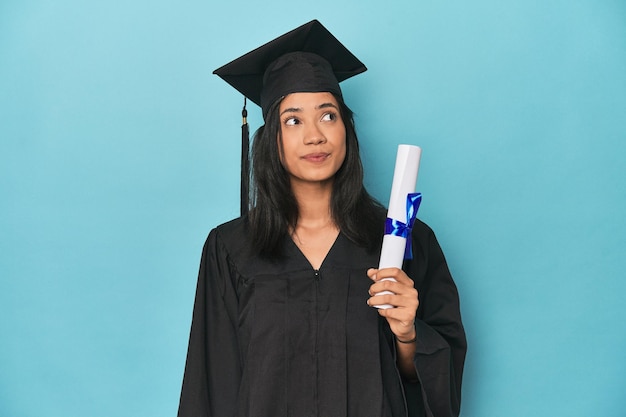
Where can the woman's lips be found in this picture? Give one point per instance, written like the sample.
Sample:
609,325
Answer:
316,157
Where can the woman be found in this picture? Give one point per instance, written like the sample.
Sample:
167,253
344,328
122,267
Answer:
282,322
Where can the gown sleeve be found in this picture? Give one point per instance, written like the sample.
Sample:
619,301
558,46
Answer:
213,369
441,343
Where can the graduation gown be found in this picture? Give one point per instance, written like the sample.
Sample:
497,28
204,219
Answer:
277,338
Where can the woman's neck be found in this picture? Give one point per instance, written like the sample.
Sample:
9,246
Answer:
315,231
313,204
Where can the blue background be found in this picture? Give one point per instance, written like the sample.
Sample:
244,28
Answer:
119,152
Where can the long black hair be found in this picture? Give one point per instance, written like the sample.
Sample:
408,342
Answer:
274,207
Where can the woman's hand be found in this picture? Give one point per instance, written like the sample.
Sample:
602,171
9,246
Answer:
404,298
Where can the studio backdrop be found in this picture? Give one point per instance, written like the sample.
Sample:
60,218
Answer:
119,151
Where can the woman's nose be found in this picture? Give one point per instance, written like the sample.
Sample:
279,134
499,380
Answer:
313,135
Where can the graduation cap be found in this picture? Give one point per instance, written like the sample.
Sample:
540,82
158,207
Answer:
307,59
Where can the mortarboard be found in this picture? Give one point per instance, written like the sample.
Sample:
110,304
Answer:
306,59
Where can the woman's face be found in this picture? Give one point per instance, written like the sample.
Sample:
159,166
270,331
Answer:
313,137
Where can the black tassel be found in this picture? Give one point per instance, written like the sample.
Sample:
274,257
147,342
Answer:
245,163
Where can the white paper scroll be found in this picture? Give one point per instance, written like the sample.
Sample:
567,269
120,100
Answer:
404,180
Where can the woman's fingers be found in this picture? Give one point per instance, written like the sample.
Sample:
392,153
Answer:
392,280
407,300
395,273
398,291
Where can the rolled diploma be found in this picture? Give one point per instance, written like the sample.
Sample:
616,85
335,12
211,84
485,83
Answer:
404,180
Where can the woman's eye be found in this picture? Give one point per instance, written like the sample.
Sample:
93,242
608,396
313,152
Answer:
291,121
329,117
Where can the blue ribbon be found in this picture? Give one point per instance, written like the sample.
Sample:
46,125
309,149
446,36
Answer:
397,228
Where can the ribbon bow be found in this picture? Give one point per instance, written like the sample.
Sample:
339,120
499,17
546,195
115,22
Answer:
397,228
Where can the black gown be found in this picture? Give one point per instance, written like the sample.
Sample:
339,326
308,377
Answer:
276,338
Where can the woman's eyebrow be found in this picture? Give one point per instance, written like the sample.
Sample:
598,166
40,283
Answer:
326,105
318,107
291,110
